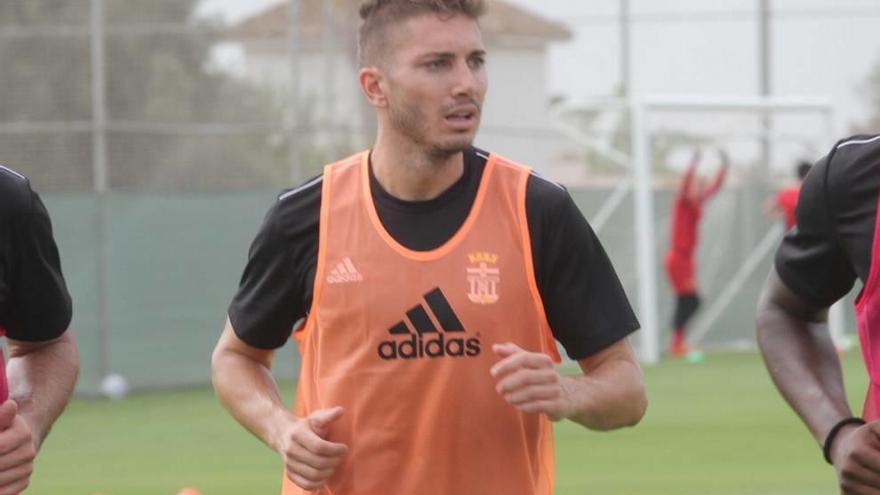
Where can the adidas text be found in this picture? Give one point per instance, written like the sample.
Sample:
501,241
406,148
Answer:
416,346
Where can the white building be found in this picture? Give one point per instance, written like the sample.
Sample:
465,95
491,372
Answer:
515,119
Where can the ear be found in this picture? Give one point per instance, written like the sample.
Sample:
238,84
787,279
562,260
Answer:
373,85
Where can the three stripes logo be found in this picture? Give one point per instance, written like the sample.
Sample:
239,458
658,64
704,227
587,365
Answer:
345,272
428,341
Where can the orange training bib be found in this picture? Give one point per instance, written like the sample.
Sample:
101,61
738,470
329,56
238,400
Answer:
402,340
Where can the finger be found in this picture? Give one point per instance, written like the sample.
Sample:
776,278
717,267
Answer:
853,487
532,360
8,410
320,420
310,473
870,460
506,349
25,453
533,394
526,377
317,445
13,438
15,488
299,454
301,482
12,476
539,407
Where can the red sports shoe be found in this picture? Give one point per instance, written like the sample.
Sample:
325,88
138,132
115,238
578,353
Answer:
677,345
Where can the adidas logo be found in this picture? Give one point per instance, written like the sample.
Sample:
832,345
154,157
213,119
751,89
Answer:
344,273
428,341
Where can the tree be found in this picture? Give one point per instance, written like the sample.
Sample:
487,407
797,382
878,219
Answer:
158,80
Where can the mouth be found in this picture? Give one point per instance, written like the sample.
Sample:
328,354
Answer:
463,117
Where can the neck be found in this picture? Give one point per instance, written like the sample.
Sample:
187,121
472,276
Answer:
411,173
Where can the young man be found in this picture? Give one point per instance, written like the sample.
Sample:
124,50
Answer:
687,208
834,242
433,278
783,204
34,316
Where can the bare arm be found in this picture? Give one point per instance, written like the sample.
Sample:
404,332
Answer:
609,394
41,377
719,177
245,386
801,358
684,189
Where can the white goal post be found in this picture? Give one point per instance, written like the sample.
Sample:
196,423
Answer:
641,110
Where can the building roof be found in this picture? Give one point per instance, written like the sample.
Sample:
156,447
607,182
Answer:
503,22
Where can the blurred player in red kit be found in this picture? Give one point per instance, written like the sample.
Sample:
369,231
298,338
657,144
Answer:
687,209
784,202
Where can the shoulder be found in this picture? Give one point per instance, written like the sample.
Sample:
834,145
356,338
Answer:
853,162
296,196
546,197
546,200
848,177
858,147
15,193
298,209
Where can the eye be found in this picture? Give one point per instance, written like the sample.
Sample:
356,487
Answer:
476,62
437,64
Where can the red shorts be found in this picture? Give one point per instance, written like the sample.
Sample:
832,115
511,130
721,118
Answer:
680,270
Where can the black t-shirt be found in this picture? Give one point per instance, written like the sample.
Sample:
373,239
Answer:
34,303
821,257
583,298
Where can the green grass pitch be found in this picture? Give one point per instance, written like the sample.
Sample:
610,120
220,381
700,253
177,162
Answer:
717,428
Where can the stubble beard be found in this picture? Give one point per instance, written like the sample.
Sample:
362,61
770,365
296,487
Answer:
410,121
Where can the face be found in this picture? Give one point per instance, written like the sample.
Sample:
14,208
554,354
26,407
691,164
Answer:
434,83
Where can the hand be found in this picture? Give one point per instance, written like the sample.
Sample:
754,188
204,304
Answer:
309,459
17,450
856,457
529,382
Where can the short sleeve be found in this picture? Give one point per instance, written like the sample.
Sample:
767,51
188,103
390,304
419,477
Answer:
812,260
585,303
40,306
275,287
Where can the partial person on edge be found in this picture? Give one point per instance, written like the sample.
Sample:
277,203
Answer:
38,379
833,243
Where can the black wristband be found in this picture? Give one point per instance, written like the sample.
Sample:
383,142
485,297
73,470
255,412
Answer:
829,439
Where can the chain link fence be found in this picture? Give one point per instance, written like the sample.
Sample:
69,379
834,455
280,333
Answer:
157,162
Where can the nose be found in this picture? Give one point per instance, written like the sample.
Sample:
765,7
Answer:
468,81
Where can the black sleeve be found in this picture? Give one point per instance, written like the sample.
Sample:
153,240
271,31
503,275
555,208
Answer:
584,300
40,306
835,215
276,287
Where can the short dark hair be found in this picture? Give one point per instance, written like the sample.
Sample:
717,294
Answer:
377,15
803,168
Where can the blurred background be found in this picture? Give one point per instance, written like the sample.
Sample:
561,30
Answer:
160,132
